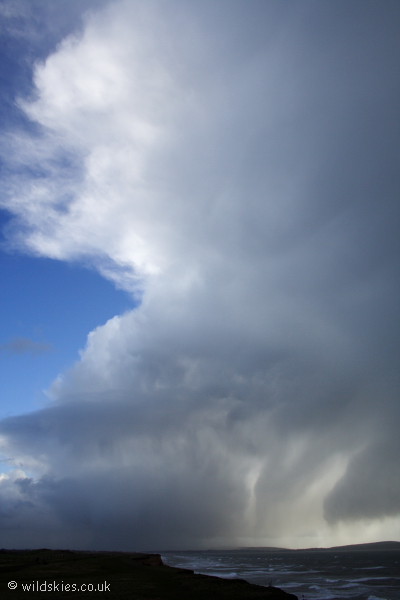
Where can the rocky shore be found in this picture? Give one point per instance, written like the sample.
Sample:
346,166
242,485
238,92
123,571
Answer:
115,576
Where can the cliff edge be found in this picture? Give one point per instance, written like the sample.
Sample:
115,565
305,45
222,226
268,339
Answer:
116,575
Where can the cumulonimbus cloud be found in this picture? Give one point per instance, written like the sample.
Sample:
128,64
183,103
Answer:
230,175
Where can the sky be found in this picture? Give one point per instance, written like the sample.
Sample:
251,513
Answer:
199,341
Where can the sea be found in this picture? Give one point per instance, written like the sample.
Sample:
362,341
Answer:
309,574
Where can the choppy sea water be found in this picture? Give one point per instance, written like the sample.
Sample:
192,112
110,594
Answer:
312,575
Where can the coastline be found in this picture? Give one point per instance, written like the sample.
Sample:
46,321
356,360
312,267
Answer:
116,575
357,572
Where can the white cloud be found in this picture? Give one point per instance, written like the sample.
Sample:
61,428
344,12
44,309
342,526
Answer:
204,163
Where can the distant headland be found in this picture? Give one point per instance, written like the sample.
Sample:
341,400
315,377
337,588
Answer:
368,547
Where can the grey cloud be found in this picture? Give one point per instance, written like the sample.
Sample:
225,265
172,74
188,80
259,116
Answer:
369,487
256,384
23,345
166,476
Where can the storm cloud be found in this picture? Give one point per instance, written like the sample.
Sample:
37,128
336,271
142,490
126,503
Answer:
233,165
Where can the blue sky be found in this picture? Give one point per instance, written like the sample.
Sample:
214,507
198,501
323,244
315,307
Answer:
53,305
200,262
50,303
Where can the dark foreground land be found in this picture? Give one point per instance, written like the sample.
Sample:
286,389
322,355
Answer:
34,574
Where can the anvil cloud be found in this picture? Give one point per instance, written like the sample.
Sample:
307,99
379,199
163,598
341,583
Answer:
234,166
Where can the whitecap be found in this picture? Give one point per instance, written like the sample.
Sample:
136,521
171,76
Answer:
222,575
